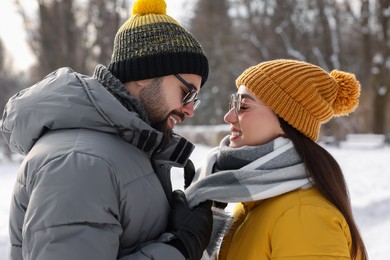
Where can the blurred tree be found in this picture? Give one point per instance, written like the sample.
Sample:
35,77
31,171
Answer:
104,19
303,30
371,23
212,26
10,83
380,70
334,34
76,34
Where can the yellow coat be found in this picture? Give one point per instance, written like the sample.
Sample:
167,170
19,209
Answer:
300,224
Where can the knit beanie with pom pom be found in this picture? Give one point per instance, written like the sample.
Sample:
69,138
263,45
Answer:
301,93
151,44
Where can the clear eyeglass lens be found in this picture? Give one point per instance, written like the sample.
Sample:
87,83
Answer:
235,102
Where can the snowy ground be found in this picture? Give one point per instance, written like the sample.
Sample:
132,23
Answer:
367,172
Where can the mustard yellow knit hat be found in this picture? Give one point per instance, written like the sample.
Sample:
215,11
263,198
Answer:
152,44
301,93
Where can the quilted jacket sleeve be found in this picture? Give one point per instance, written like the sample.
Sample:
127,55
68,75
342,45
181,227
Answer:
73,213
73,210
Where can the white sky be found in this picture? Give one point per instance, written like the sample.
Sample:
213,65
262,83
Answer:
14,37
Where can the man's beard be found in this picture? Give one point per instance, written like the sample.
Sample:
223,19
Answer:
155,106
163,125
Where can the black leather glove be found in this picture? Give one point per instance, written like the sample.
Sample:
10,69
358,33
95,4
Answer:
192,227
189,173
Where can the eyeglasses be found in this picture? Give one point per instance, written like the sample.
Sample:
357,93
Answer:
192,95
236,103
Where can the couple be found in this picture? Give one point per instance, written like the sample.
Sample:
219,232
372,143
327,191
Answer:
95,182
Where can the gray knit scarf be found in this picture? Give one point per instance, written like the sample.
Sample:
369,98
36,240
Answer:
248,173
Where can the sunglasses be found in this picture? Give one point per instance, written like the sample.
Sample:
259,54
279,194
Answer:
236,103
191,96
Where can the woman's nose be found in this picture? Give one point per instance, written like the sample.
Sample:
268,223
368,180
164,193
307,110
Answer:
230,117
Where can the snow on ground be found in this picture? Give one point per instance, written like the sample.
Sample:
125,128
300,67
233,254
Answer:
367,173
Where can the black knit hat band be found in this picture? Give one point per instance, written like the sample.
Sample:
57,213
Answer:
159,65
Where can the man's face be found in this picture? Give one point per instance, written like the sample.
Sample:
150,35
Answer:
163,100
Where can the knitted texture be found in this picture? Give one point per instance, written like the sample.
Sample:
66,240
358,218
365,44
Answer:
152,44
302,94
277,169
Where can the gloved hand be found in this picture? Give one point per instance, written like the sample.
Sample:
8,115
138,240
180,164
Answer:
192,227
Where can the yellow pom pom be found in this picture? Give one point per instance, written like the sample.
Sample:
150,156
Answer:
348,94
149,7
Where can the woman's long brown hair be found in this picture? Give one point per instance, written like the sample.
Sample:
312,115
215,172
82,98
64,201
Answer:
327,177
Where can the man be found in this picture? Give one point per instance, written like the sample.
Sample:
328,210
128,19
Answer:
95,182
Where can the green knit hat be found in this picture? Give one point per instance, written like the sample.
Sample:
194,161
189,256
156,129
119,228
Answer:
151,44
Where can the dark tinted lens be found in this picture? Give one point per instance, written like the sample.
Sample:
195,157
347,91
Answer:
196,103
191,96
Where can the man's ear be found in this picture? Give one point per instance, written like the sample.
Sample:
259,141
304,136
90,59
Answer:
134,87
142,83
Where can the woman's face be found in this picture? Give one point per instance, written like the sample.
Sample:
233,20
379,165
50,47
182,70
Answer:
254,124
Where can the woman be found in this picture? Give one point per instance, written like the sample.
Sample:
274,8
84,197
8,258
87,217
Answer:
293,199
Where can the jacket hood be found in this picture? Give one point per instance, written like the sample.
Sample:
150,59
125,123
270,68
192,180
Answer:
65,99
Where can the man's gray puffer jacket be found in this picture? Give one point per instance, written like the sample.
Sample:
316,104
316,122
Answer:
95,182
